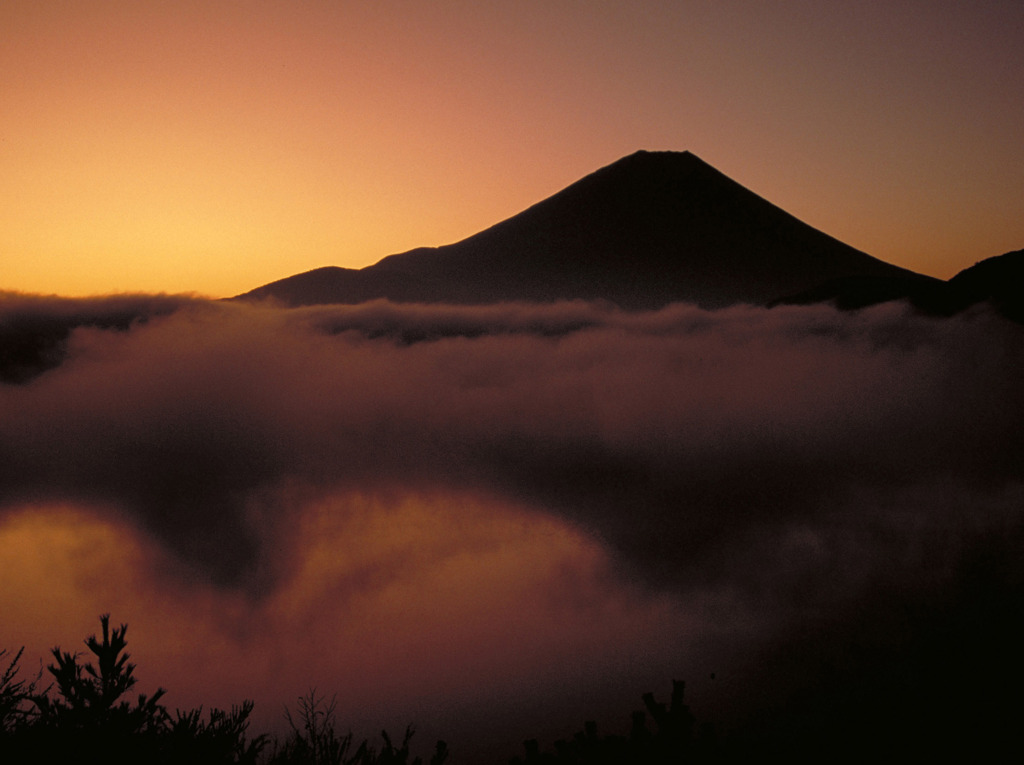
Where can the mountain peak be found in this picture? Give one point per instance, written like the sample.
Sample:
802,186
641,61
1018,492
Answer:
649,229
657,153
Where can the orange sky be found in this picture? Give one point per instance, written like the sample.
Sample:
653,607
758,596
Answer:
213,147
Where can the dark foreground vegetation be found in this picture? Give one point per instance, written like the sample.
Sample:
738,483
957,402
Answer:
85,715
82,713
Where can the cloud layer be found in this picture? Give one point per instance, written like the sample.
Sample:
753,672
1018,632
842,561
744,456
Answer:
686,478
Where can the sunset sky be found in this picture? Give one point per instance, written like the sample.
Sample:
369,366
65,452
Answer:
497,521
213,147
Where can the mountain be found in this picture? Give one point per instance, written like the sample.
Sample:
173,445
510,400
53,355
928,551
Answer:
650,229
998,281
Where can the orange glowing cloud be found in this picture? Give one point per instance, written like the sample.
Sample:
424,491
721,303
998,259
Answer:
485,520
419,608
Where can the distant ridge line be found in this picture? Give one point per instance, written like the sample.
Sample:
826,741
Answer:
650,229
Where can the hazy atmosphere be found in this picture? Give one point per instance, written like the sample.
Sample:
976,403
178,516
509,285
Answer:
652,428
469,516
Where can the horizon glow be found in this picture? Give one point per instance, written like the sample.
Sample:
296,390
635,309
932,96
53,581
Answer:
150,147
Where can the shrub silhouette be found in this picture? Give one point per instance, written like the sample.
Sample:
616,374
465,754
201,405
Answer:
390,755
90,699
313,740
15,697
674,740
83,716
220,739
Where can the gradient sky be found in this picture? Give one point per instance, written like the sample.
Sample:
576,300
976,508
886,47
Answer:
213,147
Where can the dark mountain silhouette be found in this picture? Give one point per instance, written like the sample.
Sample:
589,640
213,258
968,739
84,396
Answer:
853,292
651,229
998,281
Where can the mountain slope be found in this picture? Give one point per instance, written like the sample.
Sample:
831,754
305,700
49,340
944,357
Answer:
650,229
998,281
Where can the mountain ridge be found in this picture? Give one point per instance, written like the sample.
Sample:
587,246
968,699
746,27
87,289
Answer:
997,281
649,229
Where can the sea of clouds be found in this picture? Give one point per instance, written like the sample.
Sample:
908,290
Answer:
483,519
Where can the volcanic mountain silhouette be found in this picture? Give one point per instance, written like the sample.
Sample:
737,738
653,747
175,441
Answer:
650,229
